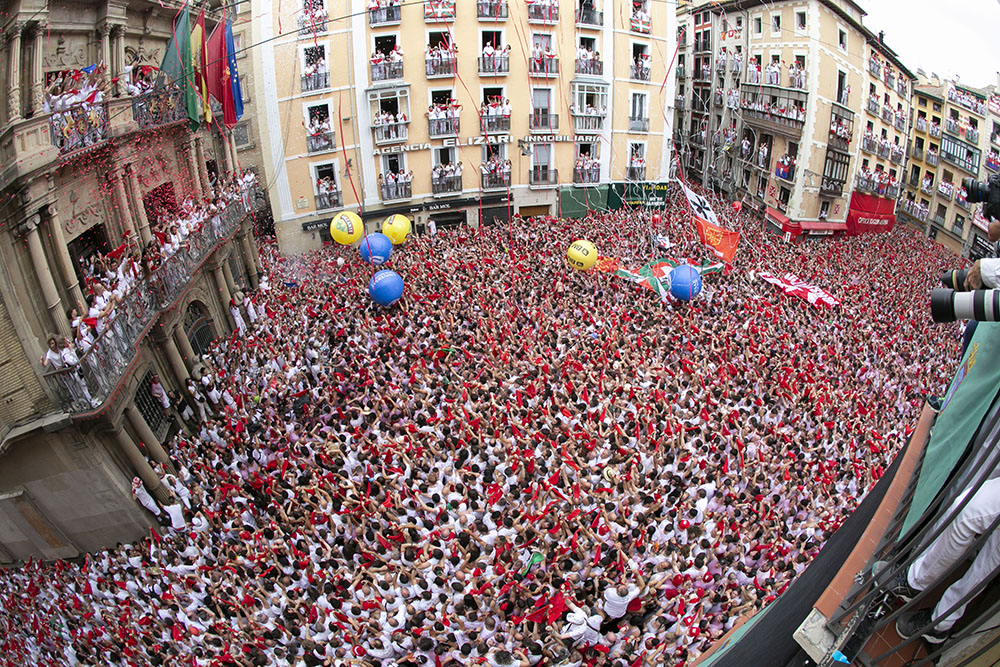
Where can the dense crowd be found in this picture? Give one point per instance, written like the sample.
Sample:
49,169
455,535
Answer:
519,464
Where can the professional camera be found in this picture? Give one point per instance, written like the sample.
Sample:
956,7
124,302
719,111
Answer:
982,305
955,279
988,193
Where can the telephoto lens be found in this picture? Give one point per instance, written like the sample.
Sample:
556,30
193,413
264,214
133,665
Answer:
955,279
977,190
982,305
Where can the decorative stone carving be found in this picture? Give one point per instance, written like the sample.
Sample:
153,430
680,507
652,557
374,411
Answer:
83,214
139,55
66,55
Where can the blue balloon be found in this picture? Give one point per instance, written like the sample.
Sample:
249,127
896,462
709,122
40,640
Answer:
375,249
385,287
685,282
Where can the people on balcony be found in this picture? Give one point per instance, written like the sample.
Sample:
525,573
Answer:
495,172
926,183
394,184
494,110
588,110
588,60
640,18
797,76
932,154
753,72
786,167
733,98
442,118
440,59
139,80
636,162
319,133
326,186
762,156
736,62
641,64
389,125
772,74
839,129
378,10
447,176
745,148
547,10
935,127
588,169
794,112
966,99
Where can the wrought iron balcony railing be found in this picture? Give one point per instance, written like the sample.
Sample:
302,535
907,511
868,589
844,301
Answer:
80,126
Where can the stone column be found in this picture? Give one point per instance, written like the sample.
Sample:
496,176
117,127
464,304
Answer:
228,274
142,468
184,345
140,210
44,273
104,34
192,155
14,72
122,204
37,77
250,260
70,278
176,362
224,295
153,446
227,141
206,186
117,64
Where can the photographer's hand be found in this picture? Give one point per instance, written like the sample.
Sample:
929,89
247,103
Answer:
974,279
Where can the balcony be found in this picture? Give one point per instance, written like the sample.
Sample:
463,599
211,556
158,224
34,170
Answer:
639,72
396,191
317,81
932,157
587,176
491,10
926,187
442,127
439,11
921,124
494,65
869,144
866,185
681,72
785,173
80,126
589,17
312,23
543,66
495,124
992,161
638,124
900,123
387,71
897,154
887,115
590,67
319,142
384,16
391,133
548,14
89,384
952,126
935,130
328,200
890,79
967,100
995,139
902,87
438,68
917,153
639,23
831,187
635,174
540,120
972,135
872,107
962,201
444,186
892,192
588,123
875,68
155,109
946,190
938,220
679,102
543,176
840,143
883,151
494,181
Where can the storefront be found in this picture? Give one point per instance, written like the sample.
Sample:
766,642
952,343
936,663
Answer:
794,232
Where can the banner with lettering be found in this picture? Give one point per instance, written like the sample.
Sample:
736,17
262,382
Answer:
870,214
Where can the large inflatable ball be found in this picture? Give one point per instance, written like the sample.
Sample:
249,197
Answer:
375,249
396,227
656,218
385,287
582,255
685,282
346,228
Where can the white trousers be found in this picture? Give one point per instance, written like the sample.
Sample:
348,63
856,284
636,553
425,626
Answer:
974,519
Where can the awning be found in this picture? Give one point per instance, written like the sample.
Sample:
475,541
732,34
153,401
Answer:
823,226
777,216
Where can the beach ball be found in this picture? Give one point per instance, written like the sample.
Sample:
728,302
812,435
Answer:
346,227
375,249
685,282
385,287
737,206
656,218
396,227
582,254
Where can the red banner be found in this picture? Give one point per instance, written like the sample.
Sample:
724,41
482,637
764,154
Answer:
870,214
722,241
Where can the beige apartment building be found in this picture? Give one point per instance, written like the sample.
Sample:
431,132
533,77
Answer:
955,135
785,105
373,110
74,182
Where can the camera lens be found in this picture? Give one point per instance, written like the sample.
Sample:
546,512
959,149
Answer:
954,279
977,190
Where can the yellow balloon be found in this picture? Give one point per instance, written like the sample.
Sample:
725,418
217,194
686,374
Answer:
582,255
397,228
346,227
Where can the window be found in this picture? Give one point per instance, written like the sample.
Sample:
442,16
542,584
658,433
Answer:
800,21
491,93
241,135
492,37
314,57
775,24
758,25
494,152
638,107
936,106
739,23
835,170
842,39
395,163
445,155
588,98
960,154
783,195
824,210
922,101
238,45
842,88
541,156
150,407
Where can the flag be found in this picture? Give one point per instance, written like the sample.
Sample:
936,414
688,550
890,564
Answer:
177,66
199,62
234,74
722,241
795,286
655,274
219,85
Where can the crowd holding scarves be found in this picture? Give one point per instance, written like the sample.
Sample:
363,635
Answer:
519,464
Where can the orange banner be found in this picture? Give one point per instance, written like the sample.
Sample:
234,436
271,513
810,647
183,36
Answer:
722,241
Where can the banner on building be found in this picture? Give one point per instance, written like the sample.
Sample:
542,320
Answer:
870,214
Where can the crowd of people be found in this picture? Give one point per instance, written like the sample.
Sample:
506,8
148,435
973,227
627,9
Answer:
517,464
967,100
495,172
395,184
441,59
878,181
387,66
75,99
777,110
